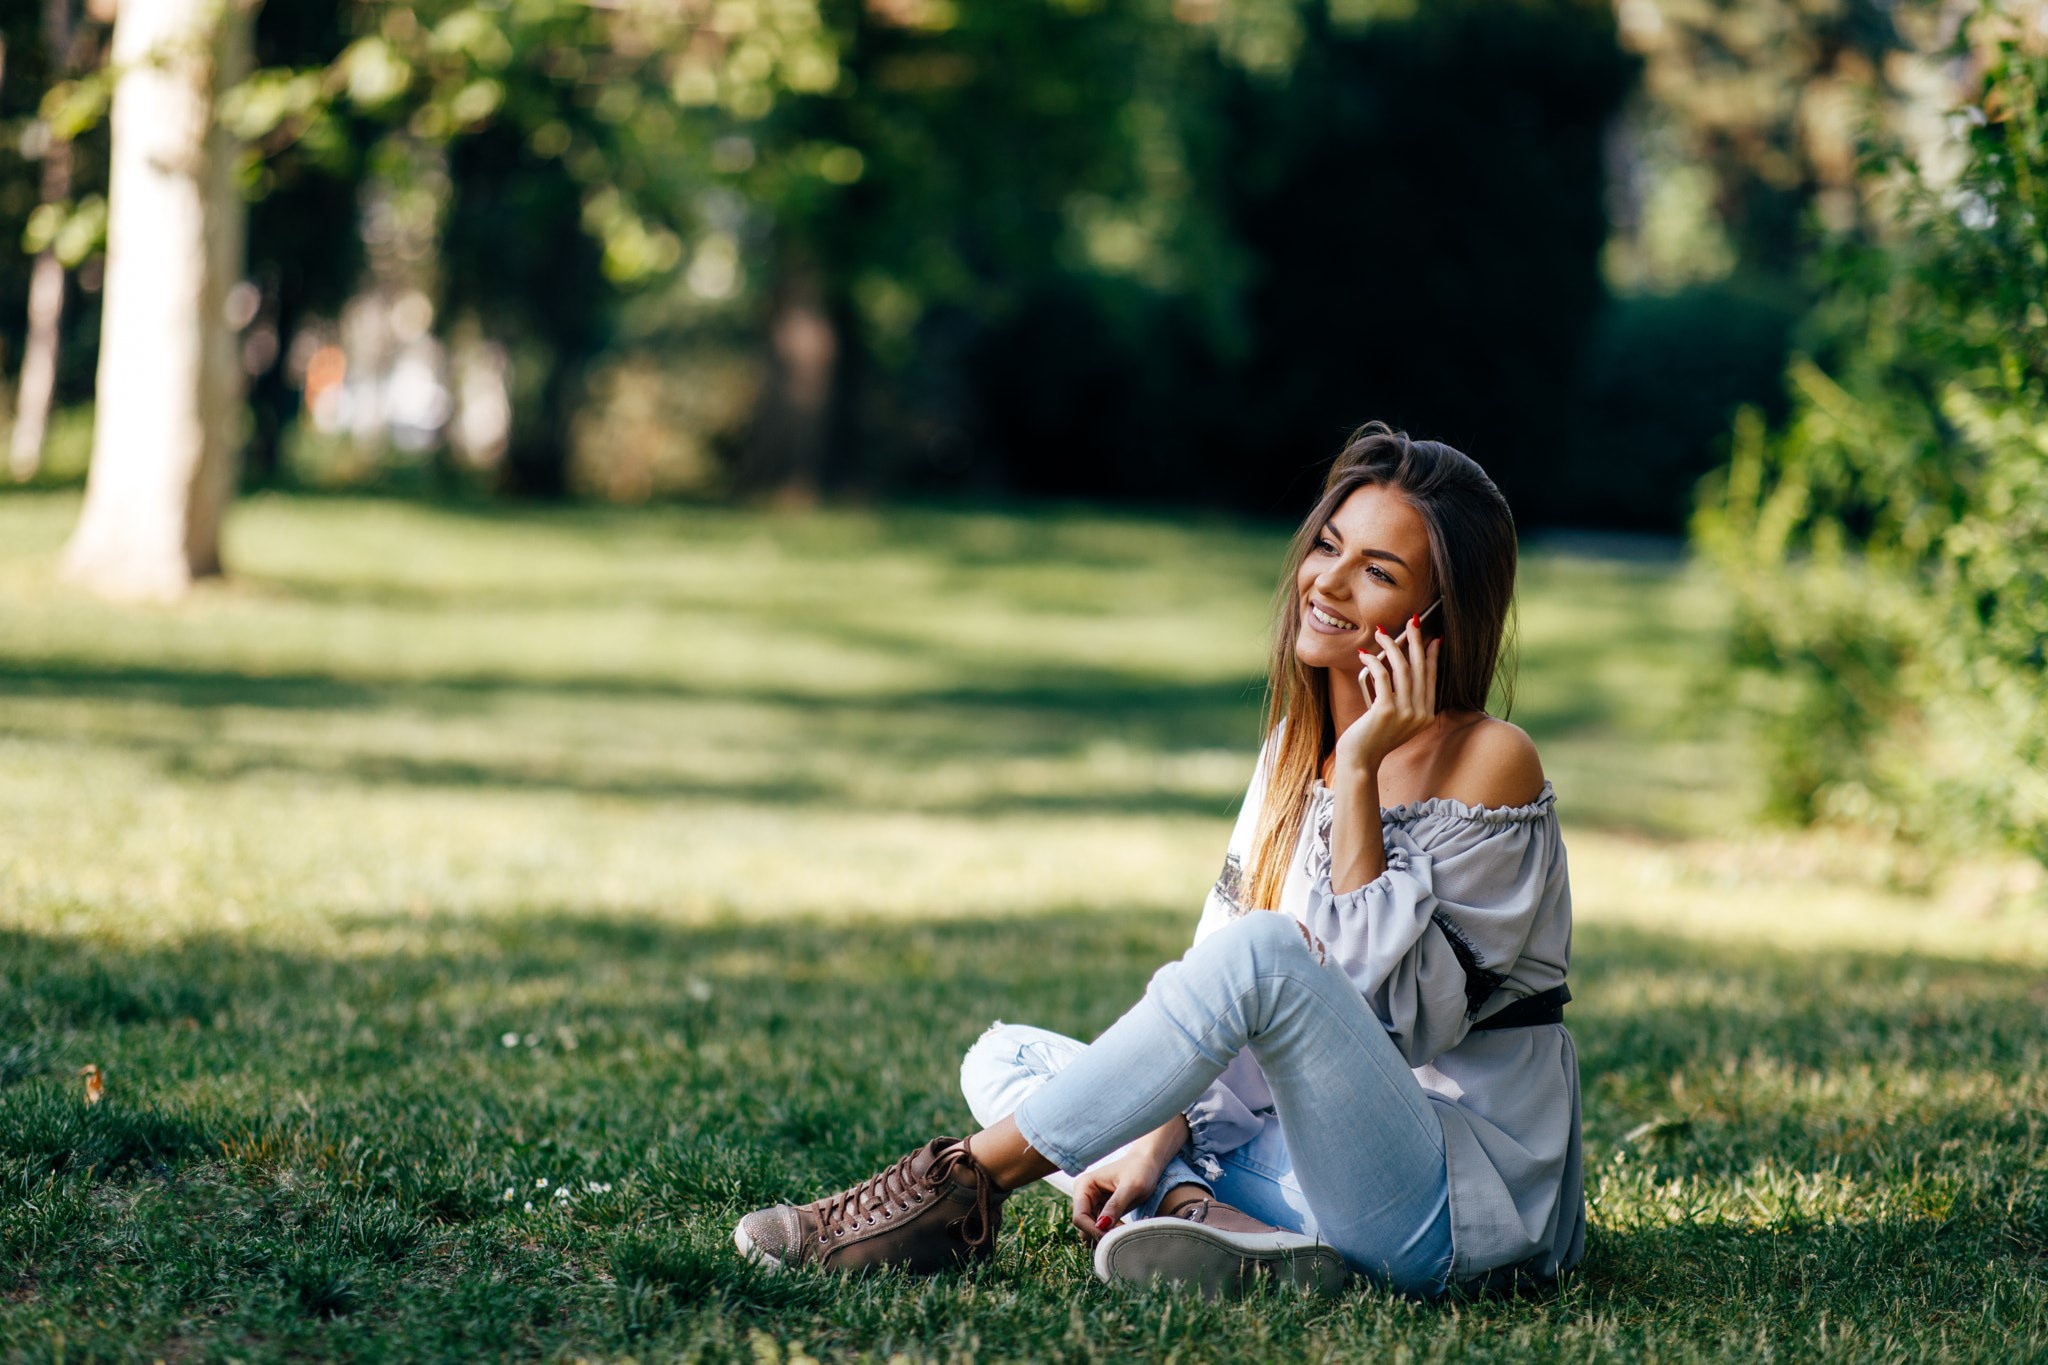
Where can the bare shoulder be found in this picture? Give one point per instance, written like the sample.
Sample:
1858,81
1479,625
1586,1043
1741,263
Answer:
1492,763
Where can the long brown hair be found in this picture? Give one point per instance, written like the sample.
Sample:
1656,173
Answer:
1471,554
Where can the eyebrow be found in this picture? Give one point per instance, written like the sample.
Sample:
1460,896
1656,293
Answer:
1330,529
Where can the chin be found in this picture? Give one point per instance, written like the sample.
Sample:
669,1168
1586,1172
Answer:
1307,652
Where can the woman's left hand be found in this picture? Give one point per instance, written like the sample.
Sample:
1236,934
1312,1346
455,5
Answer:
1108,1192
1400,689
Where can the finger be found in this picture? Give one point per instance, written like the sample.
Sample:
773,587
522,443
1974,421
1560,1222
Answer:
1429,672
1418,667
1396,661
1374,675
1115,1207
1087,1198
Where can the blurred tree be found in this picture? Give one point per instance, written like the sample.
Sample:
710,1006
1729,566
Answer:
1765,98
567,173
924,197
46,282
305,239
163,442
61,230
1412,200
1890,543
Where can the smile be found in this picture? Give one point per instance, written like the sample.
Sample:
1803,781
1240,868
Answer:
1324,618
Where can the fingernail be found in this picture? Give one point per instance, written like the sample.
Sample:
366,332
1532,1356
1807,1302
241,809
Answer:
1102,1223
1379,630
1415,620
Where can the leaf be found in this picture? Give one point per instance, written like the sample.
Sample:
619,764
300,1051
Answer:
95,1087
72,107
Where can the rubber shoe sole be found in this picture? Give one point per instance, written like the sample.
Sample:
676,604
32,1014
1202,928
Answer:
1223,1264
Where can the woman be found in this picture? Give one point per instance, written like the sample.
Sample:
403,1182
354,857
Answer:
1373,1079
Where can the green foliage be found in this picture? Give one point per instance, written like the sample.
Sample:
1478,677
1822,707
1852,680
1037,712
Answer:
1363,266
1890,542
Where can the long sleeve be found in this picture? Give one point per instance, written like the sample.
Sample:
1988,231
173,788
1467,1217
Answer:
1431,939
1383,936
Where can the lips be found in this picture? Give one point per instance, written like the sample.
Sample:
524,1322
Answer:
1328,620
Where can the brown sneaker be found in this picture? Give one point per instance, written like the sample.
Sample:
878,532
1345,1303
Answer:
1221,1250
934,1208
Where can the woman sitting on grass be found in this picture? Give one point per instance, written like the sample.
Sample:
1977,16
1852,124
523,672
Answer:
1375,1078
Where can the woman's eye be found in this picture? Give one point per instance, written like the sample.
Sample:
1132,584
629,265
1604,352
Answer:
1323,546
1381,574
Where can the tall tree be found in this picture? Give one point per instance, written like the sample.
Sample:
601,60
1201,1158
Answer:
46,282
170,380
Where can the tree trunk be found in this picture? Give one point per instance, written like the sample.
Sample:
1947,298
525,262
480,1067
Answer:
46,284
170,380
786,450
39,351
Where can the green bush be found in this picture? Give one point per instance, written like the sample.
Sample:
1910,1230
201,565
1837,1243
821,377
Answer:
1889,543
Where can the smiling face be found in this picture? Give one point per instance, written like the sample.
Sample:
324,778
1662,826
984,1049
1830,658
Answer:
1368,565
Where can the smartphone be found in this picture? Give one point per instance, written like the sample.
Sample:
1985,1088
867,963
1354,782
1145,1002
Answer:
1427,612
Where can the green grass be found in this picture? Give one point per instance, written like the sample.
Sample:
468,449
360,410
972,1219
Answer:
676,856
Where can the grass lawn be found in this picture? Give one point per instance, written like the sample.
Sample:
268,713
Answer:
472,914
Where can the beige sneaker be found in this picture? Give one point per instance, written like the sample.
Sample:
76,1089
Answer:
934,1208
1221,1250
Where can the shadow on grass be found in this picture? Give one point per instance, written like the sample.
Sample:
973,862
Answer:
420,1072
1036,715
817,1005
1100,698
1027,713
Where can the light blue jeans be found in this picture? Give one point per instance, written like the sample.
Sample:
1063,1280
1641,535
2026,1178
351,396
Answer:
1356,1157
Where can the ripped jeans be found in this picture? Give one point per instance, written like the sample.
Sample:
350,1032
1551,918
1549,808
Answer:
1354,1153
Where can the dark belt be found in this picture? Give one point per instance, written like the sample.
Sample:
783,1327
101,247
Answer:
1544,1007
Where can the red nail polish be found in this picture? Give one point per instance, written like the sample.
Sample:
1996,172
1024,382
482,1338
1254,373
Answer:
1379,630
1102,1223
1414,621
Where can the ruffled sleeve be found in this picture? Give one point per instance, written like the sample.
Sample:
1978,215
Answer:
1224,1118
1431,939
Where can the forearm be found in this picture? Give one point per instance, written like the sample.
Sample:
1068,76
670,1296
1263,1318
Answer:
1357,851
1164,1141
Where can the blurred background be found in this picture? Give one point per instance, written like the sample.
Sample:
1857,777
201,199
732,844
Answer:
1162,253
1767,273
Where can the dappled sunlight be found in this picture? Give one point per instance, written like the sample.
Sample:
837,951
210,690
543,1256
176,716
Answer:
684,854
1806,893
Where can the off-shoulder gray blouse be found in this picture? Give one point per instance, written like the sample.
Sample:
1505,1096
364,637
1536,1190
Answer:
1472,913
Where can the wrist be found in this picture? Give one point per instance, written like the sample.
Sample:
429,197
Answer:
1163,1141
1360,776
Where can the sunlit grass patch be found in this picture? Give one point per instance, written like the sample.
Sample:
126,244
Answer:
446,861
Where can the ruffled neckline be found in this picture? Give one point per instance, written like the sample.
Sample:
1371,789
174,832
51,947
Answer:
1451,807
